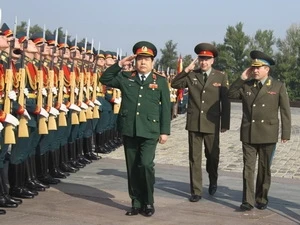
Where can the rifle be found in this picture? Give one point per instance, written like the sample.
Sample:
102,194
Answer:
9,135
116,94
43,129
51,120
82,116
94,94
74,116
62,121
23,128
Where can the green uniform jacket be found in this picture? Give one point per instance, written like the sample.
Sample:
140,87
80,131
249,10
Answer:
145,111
207,103
260,122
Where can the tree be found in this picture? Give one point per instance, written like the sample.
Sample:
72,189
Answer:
264,41
234,53
288,61
169,56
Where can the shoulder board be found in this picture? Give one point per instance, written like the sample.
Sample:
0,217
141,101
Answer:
156,73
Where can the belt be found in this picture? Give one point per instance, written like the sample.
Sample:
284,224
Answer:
1,101
31,95
100,94
66,96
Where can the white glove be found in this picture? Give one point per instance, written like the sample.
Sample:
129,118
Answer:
44,92
65,90
1,127
54,90
12,95
74,107
91,104
63,107
26,114
118,100
44,113
96,102
98,89
84,89
53,111
91,88
83,105
76,90
12,120
26,92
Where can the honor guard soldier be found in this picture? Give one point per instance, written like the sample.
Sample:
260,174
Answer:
69,56
6,118
208,114
141,128
262,96
102,128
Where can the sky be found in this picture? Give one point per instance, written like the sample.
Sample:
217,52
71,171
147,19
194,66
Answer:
120,24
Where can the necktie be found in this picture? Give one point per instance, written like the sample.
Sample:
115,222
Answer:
143,78
259,85
204,77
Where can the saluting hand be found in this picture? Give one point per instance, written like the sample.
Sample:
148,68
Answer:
247,74
127,60
191,66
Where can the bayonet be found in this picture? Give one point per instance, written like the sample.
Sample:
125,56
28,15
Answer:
15,27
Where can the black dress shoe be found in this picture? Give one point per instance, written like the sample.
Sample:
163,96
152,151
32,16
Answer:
133,211
246,206
2,212
212,189
261,206
148,210
195,198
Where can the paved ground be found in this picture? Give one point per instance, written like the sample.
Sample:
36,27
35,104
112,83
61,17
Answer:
97,194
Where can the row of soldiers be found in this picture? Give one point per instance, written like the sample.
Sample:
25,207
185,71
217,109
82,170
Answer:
53,110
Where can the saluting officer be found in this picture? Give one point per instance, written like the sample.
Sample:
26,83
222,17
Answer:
261,97
208,114
144,120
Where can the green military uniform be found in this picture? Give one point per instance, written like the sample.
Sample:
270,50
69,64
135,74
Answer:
260,128
208,110
144,115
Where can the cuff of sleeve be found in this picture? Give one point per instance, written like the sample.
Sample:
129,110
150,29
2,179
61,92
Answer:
37,110
21,110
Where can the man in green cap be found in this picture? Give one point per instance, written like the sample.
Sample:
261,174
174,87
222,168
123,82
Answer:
141,128
261,96
208,114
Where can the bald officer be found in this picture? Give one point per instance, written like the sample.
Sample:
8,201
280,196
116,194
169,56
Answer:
208,113
144,120
261,96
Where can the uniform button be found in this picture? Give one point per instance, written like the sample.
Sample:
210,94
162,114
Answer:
253,121
140,96
137,113
154,120
202,101
263,105
139,104
201,111
142,87
262,121
203,91
254,105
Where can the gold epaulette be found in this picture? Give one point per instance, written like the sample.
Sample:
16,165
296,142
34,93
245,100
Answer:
31,95
156,73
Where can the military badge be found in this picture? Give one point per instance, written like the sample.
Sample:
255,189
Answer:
268,83
272,92
153,86
216,84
